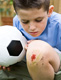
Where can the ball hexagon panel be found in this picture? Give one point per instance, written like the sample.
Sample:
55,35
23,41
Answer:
14,48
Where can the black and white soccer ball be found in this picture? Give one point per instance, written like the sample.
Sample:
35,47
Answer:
12,44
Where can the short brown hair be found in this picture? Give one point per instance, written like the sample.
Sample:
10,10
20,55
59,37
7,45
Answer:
26,4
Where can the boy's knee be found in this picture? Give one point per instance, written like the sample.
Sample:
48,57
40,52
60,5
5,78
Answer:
37,51
41,51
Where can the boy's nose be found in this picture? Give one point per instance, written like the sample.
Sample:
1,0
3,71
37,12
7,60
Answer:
32,27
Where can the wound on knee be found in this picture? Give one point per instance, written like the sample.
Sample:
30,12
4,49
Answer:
33,57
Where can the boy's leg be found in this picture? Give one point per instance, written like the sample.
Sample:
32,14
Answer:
42,61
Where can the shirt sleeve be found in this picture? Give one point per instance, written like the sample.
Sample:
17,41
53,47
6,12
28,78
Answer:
59,37
14,22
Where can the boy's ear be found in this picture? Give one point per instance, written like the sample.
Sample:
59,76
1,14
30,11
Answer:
50,10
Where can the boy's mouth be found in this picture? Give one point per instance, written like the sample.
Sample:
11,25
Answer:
33,33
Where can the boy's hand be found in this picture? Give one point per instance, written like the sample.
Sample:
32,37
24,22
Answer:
4,68
28,42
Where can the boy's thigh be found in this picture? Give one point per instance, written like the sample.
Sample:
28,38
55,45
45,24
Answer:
18,72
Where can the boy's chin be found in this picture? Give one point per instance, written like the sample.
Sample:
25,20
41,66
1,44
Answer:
35,35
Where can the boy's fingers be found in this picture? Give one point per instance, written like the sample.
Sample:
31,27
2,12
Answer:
4,68
26,46
29,41
0,67
8,68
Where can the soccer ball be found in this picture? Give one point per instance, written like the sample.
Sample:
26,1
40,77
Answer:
12,44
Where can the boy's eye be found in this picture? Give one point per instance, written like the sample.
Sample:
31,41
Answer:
25,22
38,20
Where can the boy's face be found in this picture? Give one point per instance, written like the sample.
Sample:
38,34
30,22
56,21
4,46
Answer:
33,21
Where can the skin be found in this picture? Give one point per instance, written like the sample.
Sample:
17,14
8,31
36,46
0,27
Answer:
42,60
34,20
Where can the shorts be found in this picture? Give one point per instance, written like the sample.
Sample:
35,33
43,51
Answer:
17,71
58,74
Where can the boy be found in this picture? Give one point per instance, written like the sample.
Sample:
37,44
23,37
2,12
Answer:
36,20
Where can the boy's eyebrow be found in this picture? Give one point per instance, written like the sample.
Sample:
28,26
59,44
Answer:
34,19
40,17
24,20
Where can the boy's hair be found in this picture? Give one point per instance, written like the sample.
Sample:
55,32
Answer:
27,4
